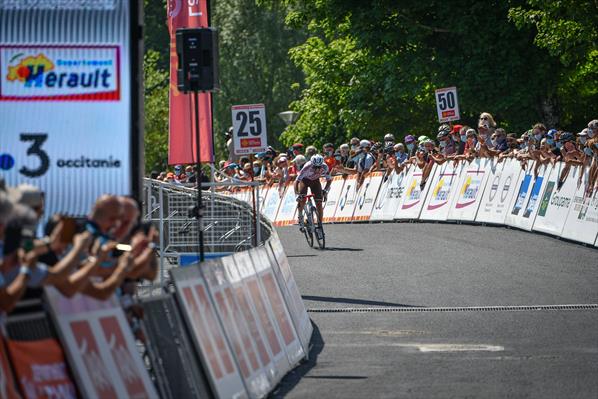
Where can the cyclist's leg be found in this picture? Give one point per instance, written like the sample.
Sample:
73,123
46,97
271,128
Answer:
316,190
301,201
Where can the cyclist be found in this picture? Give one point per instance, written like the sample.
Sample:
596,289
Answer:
309,177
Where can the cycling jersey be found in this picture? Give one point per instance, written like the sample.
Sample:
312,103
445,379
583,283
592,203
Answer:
309,172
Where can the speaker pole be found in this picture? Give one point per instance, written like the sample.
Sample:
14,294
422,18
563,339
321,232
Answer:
198,177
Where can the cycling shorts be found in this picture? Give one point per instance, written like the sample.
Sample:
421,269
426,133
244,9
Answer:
314,185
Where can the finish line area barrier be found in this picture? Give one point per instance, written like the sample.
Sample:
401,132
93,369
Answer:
231,327
546,198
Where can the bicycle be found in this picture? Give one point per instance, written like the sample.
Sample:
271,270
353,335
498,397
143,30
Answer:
312,224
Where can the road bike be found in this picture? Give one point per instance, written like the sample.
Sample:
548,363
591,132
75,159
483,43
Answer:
312,225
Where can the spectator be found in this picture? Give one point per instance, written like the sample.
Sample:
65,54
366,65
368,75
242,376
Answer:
499,142
344,154
410,144
400,154
329,158
354,144
447,144
389,140
458,136
297,149
230,145
310,151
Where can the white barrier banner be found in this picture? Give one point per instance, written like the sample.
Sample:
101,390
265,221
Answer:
525,218
291,292
259,311
367,197
207,333
257,333
276,306
288,207
470,190
336,188
582,221
236,329
415,196
100,347
443,186
499,191
391,194
271,202
522,194
347,199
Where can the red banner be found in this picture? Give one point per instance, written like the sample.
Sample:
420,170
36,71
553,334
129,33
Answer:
182,146
41,369
8,390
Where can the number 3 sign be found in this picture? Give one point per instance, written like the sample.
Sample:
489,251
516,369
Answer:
249,128
447,104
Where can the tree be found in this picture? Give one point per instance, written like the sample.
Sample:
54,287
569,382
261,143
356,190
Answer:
156,113
372,67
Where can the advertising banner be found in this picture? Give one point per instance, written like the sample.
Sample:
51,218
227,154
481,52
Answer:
415,196
346,201
207,333
442,189
236,329
556,202
257,332
582,220
41,369
499,191
182,146
391,194
272,201
260,309
67,106
8,389
288,207
276,306
525,218
366,197
99,346
289,289
336,188
469,192
525,186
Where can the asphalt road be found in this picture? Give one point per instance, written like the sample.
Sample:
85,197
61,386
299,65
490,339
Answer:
493,337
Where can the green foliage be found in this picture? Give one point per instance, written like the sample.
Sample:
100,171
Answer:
254,63
569,31
156,113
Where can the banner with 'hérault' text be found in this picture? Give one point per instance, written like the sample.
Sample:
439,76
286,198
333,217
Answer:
65,99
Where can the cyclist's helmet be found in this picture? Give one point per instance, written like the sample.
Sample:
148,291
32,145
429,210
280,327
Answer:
317,160
443,131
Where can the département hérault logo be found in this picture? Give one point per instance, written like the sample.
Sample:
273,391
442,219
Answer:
59,73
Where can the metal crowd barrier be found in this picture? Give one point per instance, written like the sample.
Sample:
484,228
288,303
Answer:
229,225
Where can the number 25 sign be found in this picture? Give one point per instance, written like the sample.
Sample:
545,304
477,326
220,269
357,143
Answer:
249,128
447,104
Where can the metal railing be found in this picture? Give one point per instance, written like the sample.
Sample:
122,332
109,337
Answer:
229,225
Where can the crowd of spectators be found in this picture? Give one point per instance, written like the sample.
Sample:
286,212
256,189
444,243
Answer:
456,143
105,253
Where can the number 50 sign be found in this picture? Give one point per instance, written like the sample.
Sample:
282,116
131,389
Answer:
249,128
447,104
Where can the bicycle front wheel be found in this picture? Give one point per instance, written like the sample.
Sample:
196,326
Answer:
318,229
308,226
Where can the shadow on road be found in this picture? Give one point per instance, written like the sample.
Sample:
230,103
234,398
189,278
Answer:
354,301
316,345
343,249
300,256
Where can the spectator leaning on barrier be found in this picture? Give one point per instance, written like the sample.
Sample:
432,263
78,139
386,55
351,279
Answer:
410,144
400,154
329,157
344,154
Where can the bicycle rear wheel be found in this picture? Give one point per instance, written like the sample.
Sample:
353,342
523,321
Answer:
318,229
308,226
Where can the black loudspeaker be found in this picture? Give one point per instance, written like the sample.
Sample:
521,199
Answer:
197,53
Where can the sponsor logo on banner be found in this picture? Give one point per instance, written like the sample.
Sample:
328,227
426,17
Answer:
58,73
546,199
121,354
344,201
413,194
362,199
440,194
505,189
41,370
94,364
523,189
533,199
469,191
494,188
